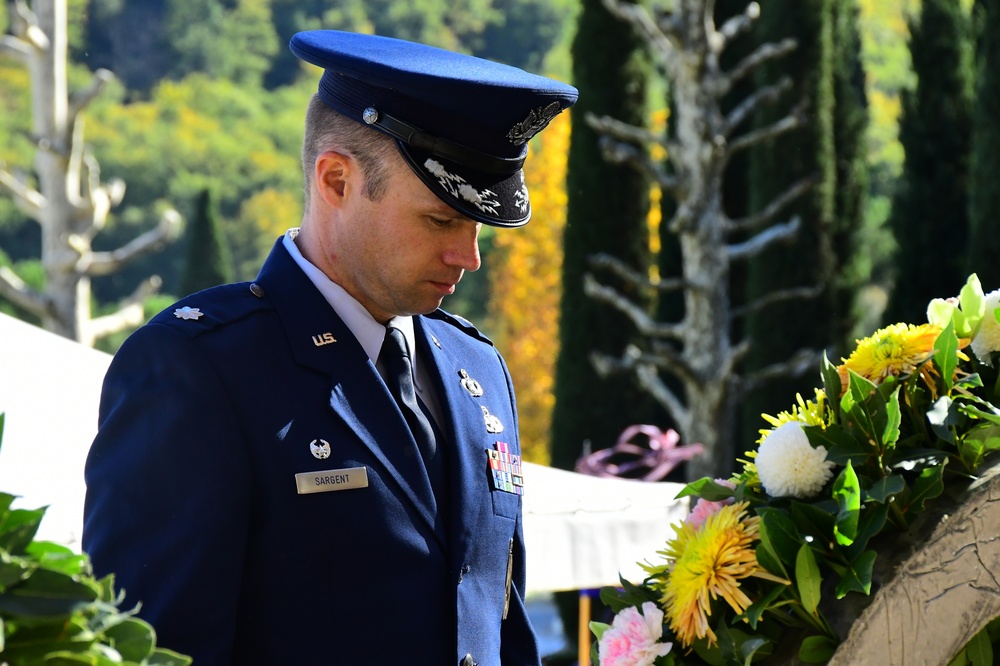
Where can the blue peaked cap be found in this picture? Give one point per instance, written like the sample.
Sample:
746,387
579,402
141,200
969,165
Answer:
461,123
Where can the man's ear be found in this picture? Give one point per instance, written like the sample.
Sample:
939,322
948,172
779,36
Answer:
335,176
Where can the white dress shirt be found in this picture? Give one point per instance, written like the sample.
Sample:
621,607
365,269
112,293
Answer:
369,333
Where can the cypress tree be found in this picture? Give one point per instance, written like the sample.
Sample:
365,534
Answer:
929,217
850,121
777,331
207,262
606,212
984,195
607,208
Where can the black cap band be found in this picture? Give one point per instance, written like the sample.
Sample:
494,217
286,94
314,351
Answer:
449,150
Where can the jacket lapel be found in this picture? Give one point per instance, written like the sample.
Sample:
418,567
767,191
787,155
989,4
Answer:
320,340
467,456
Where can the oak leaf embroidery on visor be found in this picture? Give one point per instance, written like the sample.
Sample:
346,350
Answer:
535,122
459,188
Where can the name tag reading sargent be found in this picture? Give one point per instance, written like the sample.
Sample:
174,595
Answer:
325,481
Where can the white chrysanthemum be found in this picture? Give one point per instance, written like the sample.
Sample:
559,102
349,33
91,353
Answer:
788,465
988,338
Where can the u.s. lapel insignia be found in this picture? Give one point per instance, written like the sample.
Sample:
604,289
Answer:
323,339
469,384
437,343
493,424
505,469
188,312
320,448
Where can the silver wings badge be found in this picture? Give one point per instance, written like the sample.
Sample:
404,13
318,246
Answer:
535,122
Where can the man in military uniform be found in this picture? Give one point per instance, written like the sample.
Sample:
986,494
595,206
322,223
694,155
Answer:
320,466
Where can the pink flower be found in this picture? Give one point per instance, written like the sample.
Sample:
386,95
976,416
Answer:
633,638
703,509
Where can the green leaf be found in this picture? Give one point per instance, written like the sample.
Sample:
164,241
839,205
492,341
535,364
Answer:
872,521
18,528
757,608
161,657
750,647
134,639
855,404
890,435
856,577
779,534
988,434
929,484
598,629
808,579
815,522
946,354
847,492
768,558
840,446
817,649
831,380
48,594
910,459
990,413
883,489
6,499
979,650
57,557
627,595
707,489
943,416
13,569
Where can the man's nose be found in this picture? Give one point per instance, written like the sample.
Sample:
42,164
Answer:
464,251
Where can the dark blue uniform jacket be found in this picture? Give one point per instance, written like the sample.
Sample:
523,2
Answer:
192,499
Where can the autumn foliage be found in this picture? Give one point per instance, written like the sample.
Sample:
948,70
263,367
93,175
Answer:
525,274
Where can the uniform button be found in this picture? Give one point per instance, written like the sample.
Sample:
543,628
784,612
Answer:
256,290
467,661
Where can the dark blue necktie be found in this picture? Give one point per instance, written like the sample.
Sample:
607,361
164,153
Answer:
399,378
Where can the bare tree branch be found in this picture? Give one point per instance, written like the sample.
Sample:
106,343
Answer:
648,378
804,361
643,322
763,53
29,200
130,312
790,122
105,263
15,46
616,152
626,150
623,131
81,98
24,24
737,25
780,296
618,267
758,243
746,108
772,210
15,290
658,34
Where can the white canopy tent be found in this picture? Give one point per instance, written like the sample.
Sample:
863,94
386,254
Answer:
581,531
49,391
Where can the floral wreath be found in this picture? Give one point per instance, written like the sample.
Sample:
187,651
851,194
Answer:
913,408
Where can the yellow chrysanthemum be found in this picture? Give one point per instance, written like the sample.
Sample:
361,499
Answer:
704,564
806,412
894,350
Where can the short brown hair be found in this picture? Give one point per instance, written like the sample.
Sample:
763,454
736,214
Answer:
327,129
